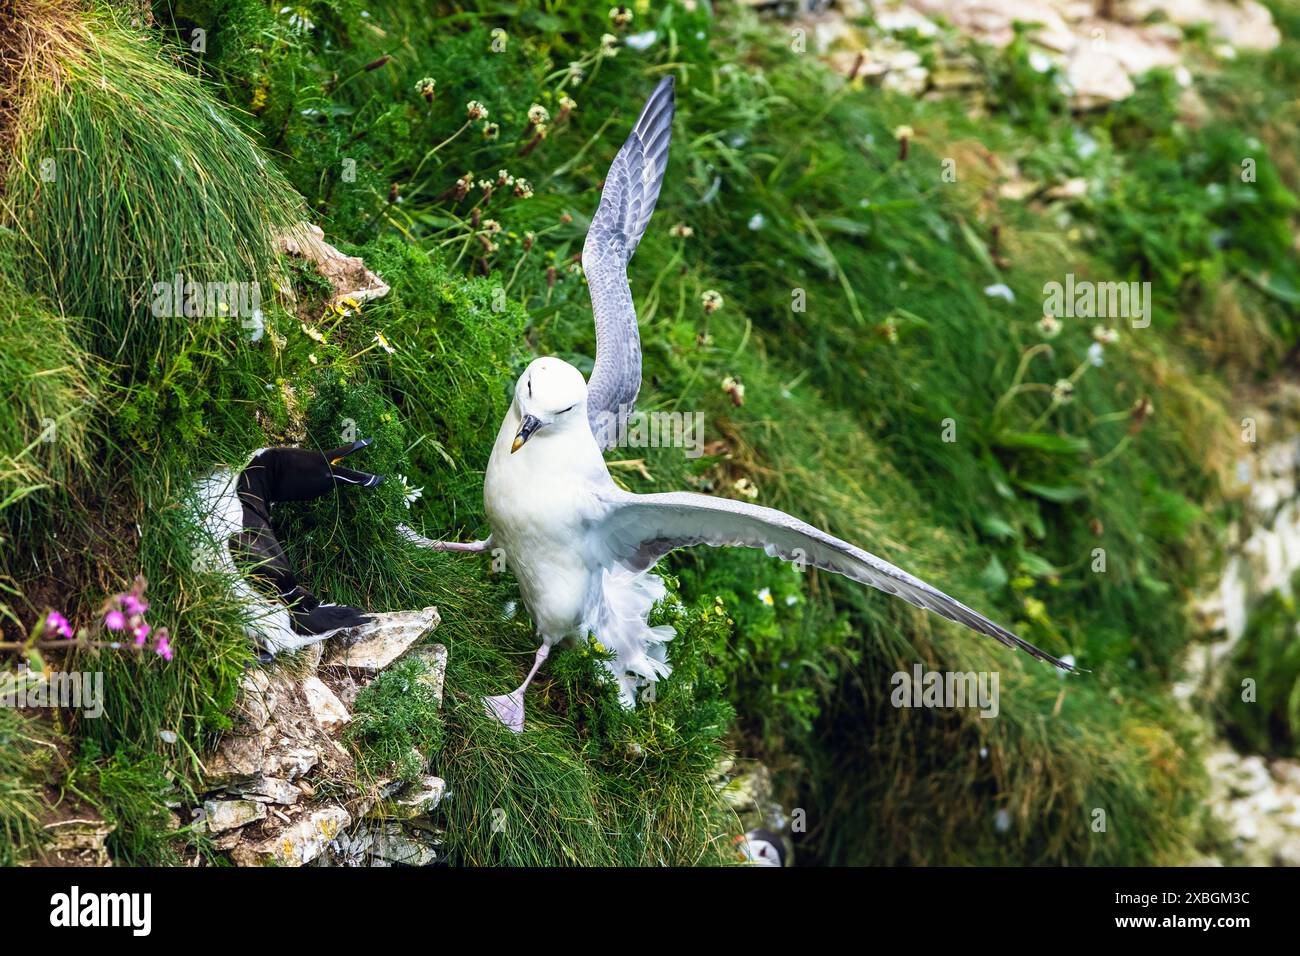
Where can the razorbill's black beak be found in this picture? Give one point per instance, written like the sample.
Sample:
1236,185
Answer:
526,430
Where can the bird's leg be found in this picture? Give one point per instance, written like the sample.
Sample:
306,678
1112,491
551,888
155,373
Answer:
420,541
509,708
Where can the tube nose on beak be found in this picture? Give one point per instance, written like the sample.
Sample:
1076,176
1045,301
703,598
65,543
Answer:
530,425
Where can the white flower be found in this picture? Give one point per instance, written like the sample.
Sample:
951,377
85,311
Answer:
608,47
409,492
642,41
476,110
383,343
756,222
765,596
1062,391
298,20
1000,290
538,114
1104,335
1095,353
711,300
1049,326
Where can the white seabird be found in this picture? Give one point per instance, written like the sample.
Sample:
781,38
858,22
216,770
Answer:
581,548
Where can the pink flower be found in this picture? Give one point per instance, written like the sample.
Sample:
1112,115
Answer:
56,622
141,632
133,604
163,648
115,621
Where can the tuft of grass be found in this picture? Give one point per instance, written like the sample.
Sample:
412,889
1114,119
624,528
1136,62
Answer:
26,751
47,435
587,783
1260,705
125,174
133,789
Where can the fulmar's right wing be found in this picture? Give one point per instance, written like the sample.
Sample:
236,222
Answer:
628,199
637,530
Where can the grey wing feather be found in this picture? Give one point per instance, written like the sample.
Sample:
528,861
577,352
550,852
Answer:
641,529
628,199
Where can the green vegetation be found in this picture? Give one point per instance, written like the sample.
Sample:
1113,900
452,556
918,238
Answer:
1263,716
890,394
396,722
24,765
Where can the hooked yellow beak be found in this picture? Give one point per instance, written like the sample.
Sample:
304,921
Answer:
530,425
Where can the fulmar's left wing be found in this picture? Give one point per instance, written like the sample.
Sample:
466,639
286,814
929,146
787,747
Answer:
640,529
628,199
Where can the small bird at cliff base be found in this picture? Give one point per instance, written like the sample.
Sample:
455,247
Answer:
581,548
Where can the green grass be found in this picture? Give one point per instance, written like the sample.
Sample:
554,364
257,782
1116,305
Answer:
1259,706
25,760
127,173
395,723
46,436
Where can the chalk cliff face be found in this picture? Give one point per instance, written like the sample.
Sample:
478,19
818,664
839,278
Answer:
282,787
1255,799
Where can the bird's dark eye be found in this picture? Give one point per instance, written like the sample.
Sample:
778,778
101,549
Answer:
569,409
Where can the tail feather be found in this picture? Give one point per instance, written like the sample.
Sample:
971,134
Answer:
617,616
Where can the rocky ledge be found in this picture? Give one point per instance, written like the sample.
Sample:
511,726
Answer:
282,789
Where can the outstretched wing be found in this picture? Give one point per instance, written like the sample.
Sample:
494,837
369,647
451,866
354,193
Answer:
626,203
640,529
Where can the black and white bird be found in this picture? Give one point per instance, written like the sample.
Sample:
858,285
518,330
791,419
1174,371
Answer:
235,510
581,548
